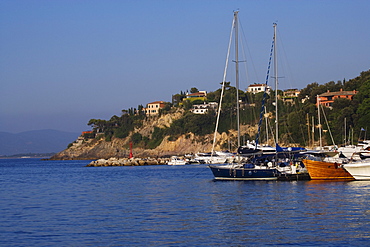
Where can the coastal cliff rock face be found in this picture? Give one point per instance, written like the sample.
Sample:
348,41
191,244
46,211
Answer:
90,149
160,122
185,144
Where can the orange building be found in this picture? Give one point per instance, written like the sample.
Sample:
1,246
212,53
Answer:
327,99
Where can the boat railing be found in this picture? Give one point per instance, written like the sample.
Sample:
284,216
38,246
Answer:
336,160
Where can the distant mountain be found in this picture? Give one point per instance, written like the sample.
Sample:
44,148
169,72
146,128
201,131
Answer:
37,141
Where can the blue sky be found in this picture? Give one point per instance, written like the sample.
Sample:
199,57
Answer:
63,62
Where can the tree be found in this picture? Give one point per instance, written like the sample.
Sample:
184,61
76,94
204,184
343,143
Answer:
214,96
177,98
227,84
136,138
197,102
194,90
140,110
292,118
98,125
187,104
364,113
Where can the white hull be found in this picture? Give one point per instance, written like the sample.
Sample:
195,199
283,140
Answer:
250,147
349,150
217,158
360,171
175,161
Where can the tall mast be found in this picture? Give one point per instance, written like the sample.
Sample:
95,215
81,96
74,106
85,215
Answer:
237,73
313,131
345,131
318,113
223,86
276,86
267,129
308,129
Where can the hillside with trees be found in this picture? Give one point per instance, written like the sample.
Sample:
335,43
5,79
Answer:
354,114
298,121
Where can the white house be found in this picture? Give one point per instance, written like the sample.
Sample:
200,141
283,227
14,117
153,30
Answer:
153,108
203,108
257,88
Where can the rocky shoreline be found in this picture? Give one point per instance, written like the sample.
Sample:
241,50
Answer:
119,148
127,162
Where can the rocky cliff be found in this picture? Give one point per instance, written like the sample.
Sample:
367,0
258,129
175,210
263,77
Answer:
188,143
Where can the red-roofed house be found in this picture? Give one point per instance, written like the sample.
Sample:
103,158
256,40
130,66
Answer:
327,99
200,94
153,108
86,132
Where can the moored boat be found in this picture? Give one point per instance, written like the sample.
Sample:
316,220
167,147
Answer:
239,169
293,170
217,157
319,169
359,170
362,148
244,172
176,161
252,147
255,161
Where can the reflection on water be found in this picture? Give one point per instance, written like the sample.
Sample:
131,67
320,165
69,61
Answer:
64,203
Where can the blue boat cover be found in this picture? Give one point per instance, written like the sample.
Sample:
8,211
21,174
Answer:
288,149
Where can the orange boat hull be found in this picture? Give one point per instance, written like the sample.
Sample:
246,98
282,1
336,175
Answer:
320,170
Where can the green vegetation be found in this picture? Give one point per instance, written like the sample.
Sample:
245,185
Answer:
355,112
293,117
199,124
119,127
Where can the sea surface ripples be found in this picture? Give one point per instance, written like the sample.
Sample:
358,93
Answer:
63,203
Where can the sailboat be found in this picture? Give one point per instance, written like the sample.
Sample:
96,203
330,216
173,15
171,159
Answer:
321,166
254,168
359,164
362,148
216,157
253,147
288,161
359,169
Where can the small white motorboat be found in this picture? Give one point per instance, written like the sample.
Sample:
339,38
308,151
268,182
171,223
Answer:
175,161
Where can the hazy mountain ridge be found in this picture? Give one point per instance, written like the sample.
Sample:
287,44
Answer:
36,141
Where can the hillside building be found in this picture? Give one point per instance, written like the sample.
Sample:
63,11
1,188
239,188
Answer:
153,108
201,95
203,108
257,88
327,99
290,95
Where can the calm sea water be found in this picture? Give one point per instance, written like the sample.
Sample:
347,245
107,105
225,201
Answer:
63,203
